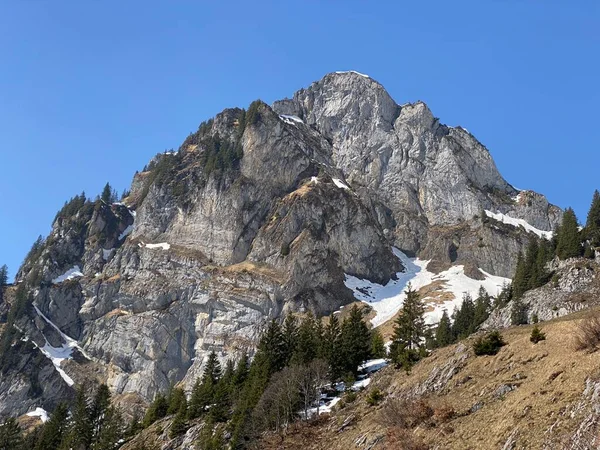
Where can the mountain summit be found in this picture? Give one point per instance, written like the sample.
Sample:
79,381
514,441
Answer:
260,212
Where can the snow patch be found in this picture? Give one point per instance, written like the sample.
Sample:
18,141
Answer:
73,272
387,300
519,222
373,365
314,180
291,120
127,231
39,412
339,183
162,245
353,71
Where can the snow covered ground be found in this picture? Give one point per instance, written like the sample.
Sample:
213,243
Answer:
339,183
387,300
73,272
353,71
519,223
161,245
291,120
39,412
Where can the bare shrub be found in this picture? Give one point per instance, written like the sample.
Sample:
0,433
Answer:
405,414
400,439
443,413
587,336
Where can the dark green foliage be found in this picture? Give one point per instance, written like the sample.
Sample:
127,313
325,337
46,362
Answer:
378,349
72,207
568,237
443,332
332,348
355,340
54,430
157,410
203,393
375,396
80,431
11,436
176,400
3,277
531,268
36,249
290,337
537,335
308,341
464,318
179,424
592,225
285,249
253,115
409,332
10,342
109,195
490,344
111,430
504,297
518,313
483,305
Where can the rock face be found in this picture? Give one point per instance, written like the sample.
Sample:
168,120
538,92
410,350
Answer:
260,212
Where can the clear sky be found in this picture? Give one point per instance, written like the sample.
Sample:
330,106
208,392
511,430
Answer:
91,90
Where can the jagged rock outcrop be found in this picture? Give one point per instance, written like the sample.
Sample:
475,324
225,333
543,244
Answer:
575,285
260,212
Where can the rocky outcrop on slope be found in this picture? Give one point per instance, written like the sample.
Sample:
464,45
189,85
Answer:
575,285
260,212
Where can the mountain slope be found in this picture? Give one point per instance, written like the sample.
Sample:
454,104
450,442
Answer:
260,212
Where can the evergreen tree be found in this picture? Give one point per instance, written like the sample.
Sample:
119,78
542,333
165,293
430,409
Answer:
378,349
109,195
521,278
240,374
111,430
273,349
568,238
204,389
3,276
464,318
518,314
409,331
290,336
592,225
332,348
179,424
483,304
53,431
443,332
307,341
79,436
175,399
11,436
157,410
531,257
536,333
355,340
100,404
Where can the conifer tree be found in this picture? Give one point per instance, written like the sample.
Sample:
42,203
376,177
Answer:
290,336
54,430
483,304
179,424
409,331
273,349
443,332
568,238
378,349
355,340
592,225
157,410
307,341
536,334
3,276
80,433
240,374
332,351
111,430
11,435
100,404
175,399
518,314
464,318
521,278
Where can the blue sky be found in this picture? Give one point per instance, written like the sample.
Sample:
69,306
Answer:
89,91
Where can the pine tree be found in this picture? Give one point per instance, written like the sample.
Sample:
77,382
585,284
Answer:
53,431
3,276
518,314
355,340
536,333
307,345
290,336
98,409
175,399
157,410
111,430
464,318
272,346
378,349
11,436
332,348
204,389
592,225
568,237
443,332
106,195
483,304
179,424
521,278
79,436
531,264
409,331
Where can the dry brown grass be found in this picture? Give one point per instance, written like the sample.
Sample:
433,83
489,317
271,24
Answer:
406,414
401,439
587,336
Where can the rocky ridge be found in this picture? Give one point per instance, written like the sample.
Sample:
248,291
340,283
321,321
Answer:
260,212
